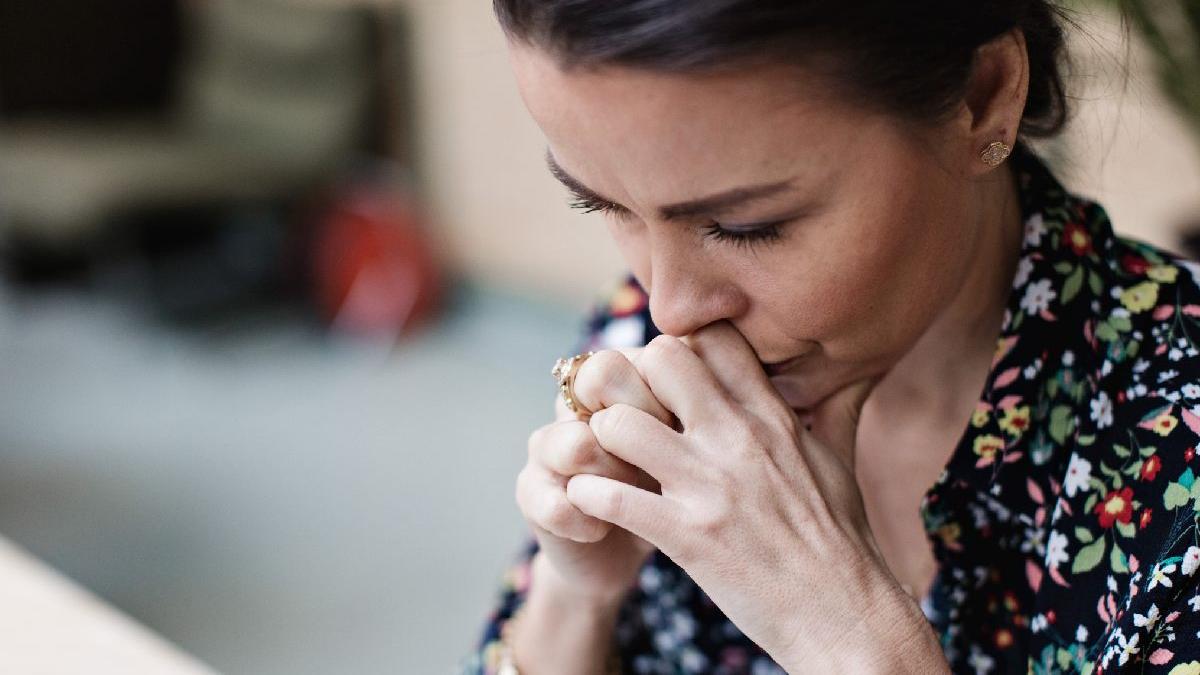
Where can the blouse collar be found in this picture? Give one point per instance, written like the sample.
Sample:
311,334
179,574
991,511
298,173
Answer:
1057,285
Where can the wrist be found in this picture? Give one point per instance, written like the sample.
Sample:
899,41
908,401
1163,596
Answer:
547,583
557,631
888,634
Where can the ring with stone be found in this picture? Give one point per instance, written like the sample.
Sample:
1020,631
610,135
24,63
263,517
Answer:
564,373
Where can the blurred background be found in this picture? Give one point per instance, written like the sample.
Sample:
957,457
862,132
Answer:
282,283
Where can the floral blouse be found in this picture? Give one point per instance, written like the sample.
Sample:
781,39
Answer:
1064,524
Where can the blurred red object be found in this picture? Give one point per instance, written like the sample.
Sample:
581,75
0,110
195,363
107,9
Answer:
375,271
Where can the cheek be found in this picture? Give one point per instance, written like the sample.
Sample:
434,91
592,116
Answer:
867,293
902,277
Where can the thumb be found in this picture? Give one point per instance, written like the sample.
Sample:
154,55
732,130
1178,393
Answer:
835,419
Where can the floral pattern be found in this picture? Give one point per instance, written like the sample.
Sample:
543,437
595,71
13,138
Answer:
1064,524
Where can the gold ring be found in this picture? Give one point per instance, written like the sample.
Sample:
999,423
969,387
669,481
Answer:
564,373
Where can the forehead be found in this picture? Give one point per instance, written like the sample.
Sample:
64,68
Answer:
689,132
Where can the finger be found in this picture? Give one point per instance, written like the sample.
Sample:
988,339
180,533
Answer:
542,499
639,439
569,447
682,382
561,412
835,419
609,377
652,517
735,365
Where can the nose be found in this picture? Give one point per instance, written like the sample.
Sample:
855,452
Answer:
688,293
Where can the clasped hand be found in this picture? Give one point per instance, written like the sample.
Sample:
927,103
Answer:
693,452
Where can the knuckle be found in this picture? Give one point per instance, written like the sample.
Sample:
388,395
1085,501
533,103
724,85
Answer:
709,522
523,491
594,530
611,372
577,447
612,417
663,346
612,503
556,513
536,439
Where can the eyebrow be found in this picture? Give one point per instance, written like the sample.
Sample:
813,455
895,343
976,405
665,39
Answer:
718,203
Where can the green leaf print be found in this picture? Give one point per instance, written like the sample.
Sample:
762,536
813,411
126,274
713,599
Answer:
1127,530
1061,423
1176,496
1105,332
1084,535
1117,560
1073,284
1088,557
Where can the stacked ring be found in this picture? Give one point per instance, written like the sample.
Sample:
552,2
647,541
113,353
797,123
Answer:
564,373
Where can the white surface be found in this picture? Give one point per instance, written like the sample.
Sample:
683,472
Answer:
49,626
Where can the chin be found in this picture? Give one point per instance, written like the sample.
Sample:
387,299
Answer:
800,395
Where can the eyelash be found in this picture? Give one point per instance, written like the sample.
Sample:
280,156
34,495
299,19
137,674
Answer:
766,234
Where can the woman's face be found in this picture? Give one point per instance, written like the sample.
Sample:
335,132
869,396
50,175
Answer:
863,225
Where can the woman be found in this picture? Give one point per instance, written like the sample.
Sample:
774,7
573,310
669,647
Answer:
913,407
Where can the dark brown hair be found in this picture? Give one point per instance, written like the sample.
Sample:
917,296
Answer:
909,59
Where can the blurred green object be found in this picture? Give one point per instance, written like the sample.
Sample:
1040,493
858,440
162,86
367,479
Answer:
1171,30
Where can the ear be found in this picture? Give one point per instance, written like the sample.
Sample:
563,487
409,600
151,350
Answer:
996,92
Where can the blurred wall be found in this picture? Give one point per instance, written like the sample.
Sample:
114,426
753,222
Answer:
505,221
503,218
1127,146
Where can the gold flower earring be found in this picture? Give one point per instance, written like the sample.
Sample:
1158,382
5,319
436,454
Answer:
995,153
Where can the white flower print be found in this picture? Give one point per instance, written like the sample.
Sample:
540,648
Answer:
1102,410
1079,473
982,663
1038,623
1191,560
1056,550
1194,603
1128,648
1081,633
1038,296
1191,390
1035,227
1192,267
692,660
1148,620
1024,269
1159,576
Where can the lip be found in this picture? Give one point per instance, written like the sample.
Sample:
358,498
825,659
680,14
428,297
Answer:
778,367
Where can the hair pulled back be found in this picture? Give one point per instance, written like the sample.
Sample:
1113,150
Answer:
912,60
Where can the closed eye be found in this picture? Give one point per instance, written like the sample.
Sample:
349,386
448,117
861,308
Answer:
590,204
